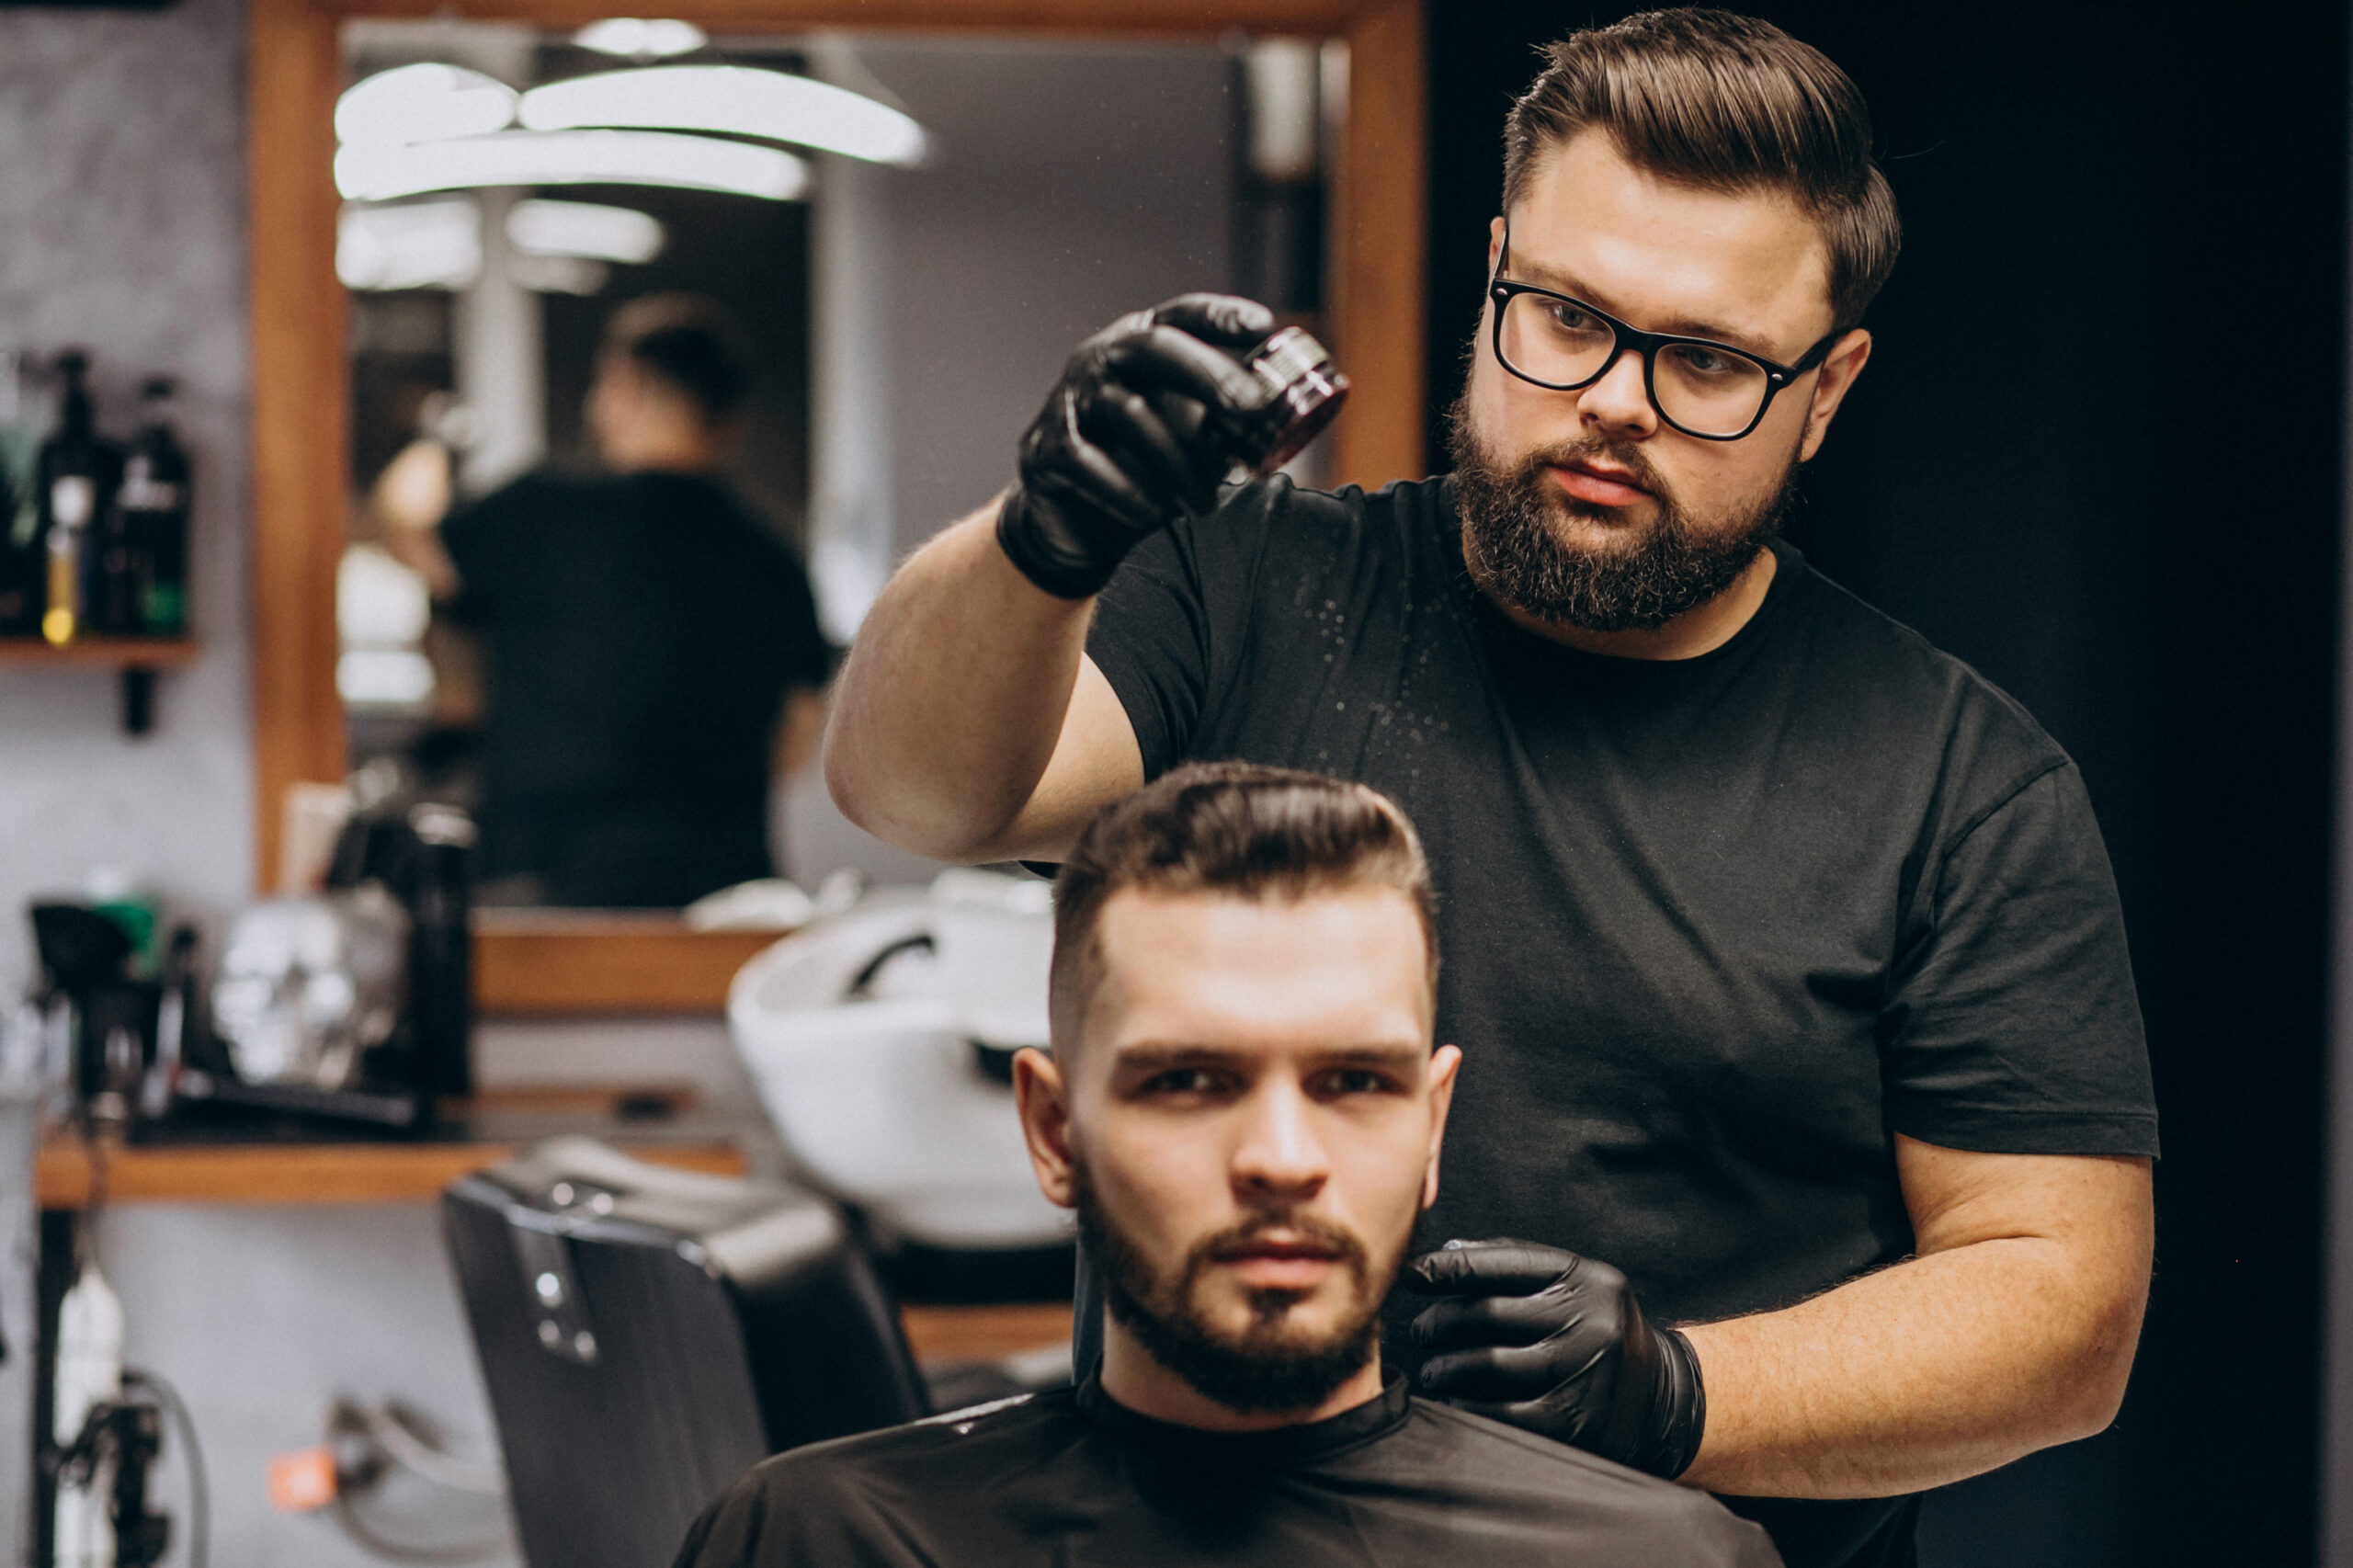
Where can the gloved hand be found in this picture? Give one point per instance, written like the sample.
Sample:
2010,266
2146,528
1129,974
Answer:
1556,1345
1129,441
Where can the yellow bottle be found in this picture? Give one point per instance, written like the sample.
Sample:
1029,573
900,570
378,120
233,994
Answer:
71,498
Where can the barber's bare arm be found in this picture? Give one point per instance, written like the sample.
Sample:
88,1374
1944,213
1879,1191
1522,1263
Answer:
969,723
2011,1328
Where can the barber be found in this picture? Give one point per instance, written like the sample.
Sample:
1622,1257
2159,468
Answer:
1783,949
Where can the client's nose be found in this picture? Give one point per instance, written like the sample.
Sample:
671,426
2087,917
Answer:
1277,1152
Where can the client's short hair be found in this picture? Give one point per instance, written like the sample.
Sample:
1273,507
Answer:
1234,828
690,342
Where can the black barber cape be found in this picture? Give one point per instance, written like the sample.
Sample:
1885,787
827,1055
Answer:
1076,1480
1712,929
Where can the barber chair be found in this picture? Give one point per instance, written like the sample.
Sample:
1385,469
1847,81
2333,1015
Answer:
648,1334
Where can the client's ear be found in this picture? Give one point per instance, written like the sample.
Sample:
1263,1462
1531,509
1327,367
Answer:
1445,1062
1038,1091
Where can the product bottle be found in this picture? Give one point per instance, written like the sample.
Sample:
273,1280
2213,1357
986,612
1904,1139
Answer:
77,471
89,1375
440,982
23,582
143,568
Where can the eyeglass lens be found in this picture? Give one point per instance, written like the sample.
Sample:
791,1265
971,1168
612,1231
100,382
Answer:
1709,392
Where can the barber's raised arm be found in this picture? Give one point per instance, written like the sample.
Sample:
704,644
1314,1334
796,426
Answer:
968,723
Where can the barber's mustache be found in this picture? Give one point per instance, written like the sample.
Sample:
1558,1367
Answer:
1626,455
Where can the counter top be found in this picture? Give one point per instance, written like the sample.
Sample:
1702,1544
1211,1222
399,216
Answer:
500,1122
279,1163
305,1173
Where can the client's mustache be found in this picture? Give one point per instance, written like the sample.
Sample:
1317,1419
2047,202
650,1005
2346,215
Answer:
1248,1236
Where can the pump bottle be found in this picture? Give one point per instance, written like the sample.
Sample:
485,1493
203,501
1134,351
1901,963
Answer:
76,474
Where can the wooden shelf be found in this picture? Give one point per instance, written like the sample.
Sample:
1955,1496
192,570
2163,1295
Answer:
306,1172
416,1173
983,1334
108,652
136,659
556,961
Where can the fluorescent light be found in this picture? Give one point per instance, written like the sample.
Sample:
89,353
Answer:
570,157
735,99
379,601
383,678
558,274
636,39
1281,75
422,103
583,229
428,245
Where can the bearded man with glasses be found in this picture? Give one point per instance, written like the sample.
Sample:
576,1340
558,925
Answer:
1783,952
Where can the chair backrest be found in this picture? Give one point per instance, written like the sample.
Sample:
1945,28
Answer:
647,1333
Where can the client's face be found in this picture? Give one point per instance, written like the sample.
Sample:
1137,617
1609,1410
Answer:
1255,1114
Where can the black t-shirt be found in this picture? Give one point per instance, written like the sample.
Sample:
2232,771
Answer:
1073,1479
1711,929
641,634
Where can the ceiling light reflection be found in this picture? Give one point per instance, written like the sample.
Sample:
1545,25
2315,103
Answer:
422,103
634,38
570,157
734,99
583,229
428,245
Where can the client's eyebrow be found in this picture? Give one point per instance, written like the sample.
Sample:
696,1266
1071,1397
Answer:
1151,1056
1523,271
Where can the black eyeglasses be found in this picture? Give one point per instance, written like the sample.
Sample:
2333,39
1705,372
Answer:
1700,387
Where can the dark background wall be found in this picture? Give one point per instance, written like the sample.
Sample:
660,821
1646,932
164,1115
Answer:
2096,454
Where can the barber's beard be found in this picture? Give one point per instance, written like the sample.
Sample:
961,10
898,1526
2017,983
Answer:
1515,522
1267,1368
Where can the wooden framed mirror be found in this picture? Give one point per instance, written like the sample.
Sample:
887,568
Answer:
1373,250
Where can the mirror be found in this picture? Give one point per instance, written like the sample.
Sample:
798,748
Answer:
901,426
573,597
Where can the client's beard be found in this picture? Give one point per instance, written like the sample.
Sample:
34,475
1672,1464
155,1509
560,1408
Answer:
1263,1369
1517,557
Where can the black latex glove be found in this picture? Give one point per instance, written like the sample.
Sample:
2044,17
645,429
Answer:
1129,439
1556,1345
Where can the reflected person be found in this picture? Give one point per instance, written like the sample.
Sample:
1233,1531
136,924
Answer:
652,645
1245,1110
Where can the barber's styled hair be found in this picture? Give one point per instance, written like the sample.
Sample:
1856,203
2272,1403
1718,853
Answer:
1231,828
1726,103
689,342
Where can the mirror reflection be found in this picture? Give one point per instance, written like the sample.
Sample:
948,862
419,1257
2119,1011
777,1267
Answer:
664,349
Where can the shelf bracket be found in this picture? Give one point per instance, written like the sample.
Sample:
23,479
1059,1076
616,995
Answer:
138,699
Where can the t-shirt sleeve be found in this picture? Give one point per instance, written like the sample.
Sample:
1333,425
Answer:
2013,1026
1170,619
807,659
488,540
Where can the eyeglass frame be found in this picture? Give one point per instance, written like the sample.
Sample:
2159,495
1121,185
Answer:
1628,339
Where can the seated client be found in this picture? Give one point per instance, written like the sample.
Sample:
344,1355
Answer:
1244,1108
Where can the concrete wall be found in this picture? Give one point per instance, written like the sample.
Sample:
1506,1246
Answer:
18,1249
123,198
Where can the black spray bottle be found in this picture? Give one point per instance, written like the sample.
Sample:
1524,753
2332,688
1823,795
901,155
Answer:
142,567
77,471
